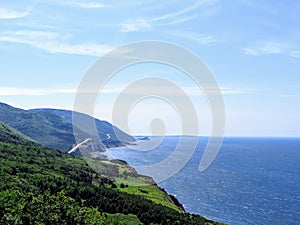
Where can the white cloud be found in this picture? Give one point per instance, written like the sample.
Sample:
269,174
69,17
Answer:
202,39
16,10
139,24
171,91
172,18
234,91
295,54
264,49
6,13
289,95
53,42
86,5
179,20
79,4
20,91
35,25
195,91
271,48
162,90
250,51
185,10
16,91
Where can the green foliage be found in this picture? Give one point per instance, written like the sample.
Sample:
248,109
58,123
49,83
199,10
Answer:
45,186
47,129
117,137
53,128
10,135
129,181
122,219
45,208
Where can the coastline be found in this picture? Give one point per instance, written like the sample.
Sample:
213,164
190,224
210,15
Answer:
175,201
151,181
173,197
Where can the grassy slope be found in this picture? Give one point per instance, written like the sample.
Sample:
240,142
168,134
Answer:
133,183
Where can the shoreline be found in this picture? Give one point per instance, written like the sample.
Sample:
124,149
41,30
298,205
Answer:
173,197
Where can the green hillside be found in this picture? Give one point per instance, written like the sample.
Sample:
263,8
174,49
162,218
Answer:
10,135
49,130
103,128
45,186
52,130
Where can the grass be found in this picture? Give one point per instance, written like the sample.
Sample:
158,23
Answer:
152,193
123,174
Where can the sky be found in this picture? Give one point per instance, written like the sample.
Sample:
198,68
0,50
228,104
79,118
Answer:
252,47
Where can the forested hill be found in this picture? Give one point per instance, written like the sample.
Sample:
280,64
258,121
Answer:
117,136
45,186
10,135
52,130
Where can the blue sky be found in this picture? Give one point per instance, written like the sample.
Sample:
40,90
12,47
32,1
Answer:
251,46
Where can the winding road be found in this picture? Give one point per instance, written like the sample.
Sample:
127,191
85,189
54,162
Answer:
77,146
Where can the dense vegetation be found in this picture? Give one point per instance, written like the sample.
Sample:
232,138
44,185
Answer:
53,129
10,135
44,186
103,128
49,130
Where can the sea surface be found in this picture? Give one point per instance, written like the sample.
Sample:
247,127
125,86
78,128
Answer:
252,180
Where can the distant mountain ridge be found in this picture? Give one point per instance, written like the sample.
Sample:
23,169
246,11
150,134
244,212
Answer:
53,128
117,136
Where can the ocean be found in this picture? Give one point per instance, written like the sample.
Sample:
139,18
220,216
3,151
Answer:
251,181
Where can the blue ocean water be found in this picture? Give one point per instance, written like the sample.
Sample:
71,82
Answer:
252,180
